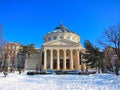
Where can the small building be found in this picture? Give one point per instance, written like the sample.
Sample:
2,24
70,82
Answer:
33,61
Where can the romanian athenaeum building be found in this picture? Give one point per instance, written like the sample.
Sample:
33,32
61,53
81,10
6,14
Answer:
61,50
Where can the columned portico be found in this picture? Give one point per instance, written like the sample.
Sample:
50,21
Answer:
71,59
61,50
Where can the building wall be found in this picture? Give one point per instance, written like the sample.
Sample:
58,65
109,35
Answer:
11,49
68,36
61,47
110,57
32,61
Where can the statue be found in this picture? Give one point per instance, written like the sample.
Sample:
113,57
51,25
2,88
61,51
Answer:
21,61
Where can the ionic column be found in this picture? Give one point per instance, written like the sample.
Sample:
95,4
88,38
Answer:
58,60
51,59
78,61
71,59
45,60
64,62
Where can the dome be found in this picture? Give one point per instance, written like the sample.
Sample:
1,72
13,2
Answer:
61,29
61,33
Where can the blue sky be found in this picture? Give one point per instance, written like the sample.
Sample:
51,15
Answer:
27,21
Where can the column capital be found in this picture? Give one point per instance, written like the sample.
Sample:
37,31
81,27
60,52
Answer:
64,49
51,49
44,49
57,49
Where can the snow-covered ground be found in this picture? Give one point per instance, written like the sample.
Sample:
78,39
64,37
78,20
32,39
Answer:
59,82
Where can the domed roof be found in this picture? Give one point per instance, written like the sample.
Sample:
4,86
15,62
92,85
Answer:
60,33
61,29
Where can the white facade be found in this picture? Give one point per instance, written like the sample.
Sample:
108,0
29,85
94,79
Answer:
61,50
32,61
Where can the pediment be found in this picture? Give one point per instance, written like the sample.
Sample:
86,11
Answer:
60,42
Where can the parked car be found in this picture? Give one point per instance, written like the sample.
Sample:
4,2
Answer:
30,73
47,72
50,72
92,71
68,72
73,72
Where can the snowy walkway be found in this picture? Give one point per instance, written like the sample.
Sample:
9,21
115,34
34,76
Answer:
60,82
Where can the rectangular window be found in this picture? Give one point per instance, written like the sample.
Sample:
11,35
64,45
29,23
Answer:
42,58
49,39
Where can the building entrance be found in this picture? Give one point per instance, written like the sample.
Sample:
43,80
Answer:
61,63
55,64
67,64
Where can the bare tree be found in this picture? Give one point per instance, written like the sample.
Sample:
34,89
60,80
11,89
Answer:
111,37
2,43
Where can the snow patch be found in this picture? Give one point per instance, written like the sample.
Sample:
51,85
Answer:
59,82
